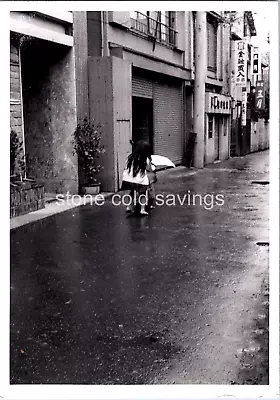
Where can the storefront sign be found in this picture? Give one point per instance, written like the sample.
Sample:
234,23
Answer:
256,61
259,95
241,63
217,103
243,108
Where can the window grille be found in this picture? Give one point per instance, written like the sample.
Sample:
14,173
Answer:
157,24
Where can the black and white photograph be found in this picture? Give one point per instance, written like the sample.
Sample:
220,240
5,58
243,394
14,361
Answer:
143,190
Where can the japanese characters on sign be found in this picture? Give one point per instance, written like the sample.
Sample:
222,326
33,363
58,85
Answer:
243,108
256,61
241,63
259,95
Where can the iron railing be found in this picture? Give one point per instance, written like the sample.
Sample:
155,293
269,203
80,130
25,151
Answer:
153,28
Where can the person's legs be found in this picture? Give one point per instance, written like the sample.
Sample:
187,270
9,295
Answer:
152,196
130,207
142,203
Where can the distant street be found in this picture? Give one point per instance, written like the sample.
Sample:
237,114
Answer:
180,296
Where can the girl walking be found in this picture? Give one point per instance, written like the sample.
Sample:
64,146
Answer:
135,177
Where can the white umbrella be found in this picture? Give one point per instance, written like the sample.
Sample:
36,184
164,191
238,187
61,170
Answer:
161,161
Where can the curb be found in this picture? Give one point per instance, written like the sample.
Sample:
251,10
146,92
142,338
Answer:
51,209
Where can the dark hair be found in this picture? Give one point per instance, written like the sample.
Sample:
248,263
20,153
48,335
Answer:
138,158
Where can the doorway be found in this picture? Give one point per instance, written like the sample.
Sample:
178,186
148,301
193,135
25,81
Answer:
142,120
217,123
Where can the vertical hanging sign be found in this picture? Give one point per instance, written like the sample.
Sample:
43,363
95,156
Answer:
244,107
241,63
259,95
256,61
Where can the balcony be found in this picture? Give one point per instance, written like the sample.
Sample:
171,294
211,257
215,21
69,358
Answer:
154,29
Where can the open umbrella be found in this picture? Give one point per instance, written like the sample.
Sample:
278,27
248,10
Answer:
161,161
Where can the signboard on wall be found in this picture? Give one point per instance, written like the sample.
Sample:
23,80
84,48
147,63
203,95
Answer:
217,103
256,62
241,63
259,95
244,107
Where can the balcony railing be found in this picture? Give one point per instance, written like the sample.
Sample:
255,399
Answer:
152,28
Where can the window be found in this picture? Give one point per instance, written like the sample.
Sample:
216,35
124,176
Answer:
211,45
157,24
210,126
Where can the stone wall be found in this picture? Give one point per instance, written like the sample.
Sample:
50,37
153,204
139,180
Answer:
26,199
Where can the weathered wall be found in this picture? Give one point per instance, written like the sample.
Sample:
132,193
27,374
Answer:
110,97
124,38
101,111
50,115
94,33
15,90
260,135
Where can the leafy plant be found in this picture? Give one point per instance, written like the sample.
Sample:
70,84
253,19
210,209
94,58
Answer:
17,162
87,145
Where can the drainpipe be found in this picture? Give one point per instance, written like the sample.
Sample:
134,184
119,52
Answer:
102,33
199,87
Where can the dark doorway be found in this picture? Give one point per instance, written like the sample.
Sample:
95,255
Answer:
142,120
217,123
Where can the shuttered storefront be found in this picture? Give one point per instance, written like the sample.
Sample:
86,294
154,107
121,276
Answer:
168,127
142,87
168,134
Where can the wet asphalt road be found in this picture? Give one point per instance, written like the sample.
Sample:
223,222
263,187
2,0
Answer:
99,297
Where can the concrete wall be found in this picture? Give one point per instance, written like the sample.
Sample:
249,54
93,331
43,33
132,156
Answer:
225,57
50,114
101,111
16,122
94,33
125,38
260,133
110,97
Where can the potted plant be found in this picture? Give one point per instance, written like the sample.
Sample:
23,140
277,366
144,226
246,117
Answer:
86,145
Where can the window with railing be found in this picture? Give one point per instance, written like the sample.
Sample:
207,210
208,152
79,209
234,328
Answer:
155,24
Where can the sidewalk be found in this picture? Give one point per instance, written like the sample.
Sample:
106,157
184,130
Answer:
54,207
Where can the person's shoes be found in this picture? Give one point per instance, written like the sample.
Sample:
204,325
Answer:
128,209
143,212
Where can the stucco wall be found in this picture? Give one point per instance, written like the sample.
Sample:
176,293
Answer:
259,135
15,90
50,115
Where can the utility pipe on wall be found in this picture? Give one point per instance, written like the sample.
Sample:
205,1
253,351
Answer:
199,86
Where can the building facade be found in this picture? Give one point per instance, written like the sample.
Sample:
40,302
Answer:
131,72
43,95
249,132
141,84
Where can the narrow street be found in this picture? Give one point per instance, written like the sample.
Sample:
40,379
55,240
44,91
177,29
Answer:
180,296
